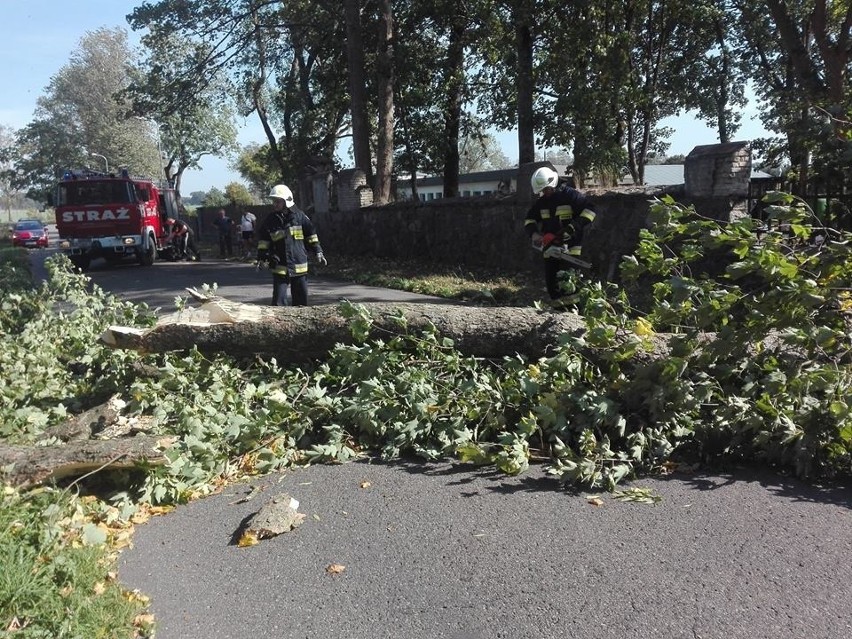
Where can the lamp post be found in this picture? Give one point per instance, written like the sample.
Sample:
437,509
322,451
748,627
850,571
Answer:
159,141
103,157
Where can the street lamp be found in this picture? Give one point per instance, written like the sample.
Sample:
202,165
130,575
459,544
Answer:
103,157
159,141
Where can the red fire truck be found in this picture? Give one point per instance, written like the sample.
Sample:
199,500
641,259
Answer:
113,216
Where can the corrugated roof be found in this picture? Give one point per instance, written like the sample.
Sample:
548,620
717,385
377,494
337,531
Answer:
662,174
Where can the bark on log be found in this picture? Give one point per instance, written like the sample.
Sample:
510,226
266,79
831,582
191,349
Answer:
33,465
87,423
98,437
298,334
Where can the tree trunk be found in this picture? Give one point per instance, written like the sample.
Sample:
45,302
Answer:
524,77
300,334
259,101
454,86
33,465
384,147
357,88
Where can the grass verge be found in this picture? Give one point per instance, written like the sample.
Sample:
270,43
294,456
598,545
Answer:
483,286
58,577
57,549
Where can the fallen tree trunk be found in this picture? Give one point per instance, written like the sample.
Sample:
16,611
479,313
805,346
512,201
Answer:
298,334
100,438
33,465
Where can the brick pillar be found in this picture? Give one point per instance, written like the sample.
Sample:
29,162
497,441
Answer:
353,192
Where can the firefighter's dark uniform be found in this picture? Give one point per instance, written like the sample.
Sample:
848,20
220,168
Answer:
184,239
566,212
283,242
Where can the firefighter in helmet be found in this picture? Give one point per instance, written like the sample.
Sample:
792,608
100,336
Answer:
560,214
183,239
283,242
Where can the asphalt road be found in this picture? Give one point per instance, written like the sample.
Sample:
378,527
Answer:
160,284
440,550
448,551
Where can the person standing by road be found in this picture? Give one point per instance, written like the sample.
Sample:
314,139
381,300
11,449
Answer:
225,225
247,223
561,213
283,242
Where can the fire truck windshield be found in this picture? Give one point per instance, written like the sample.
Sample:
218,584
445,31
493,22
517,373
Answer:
85,192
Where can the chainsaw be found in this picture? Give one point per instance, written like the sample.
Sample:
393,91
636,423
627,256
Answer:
553,246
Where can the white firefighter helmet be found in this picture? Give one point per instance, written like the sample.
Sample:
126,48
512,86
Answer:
542,178
282,192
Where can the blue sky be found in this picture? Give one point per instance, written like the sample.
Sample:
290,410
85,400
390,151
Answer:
36,39
37,36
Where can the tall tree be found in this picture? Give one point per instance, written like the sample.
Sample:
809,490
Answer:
481,152
522,15
801,58
720,95
181,131
257,168
238,194
286,63
8,189
83,112
418,123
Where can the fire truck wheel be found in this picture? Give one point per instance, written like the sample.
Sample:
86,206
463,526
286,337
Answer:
147,256
81,262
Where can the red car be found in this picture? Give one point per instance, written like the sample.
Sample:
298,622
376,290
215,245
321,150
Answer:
29,233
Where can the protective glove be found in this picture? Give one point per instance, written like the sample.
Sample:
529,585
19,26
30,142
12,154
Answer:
321,259
536,239
575,229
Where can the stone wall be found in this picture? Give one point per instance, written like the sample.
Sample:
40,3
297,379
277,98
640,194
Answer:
483,232
489,231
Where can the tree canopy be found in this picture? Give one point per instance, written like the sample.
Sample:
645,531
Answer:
412,82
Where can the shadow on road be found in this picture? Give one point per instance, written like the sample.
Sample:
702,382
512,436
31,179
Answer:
839,494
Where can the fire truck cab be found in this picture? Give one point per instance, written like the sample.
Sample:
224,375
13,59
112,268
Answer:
112,216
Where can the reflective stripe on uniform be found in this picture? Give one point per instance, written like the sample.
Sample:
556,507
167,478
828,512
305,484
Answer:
277,235
262,244
564,212
528,222
280,270
545,214
589,214
575,250
301,268
313,239
297,233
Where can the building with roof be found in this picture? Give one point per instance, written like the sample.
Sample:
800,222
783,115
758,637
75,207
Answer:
504,181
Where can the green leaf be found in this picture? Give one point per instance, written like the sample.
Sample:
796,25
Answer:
637,495
93,535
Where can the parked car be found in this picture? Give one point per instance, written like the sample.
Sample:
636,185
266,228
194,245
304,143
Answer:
29,233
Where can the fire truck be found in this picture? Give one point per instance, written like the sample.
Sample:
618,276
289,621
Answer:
112,216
